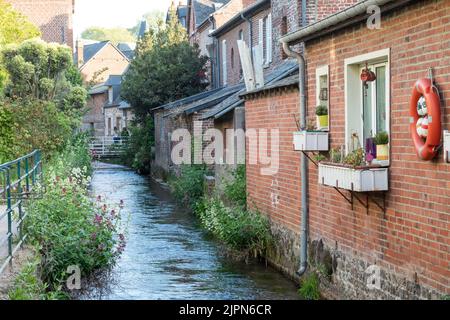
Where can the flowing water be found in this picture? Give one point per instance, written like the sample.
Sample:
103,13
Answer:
168,256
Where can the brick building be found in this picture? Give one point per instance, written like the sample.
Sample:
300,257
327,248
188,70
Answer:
99,60
53,17
407,239
205,16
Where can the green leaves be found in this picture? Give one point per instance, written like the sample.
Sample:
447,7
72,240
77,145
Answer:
41,71
166,68
14,27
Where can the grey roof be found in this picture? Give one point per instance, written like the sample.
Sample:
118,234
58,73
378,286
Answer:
143,28
204,8
97,89
289,81
208,101
91,50
286,69
187,100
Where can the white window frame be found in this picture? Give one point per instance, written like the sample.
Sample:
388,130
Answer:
353,92
320,72
267,20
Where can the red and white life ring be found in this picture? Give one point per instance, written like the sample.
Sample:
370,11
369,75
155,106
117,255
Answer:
427,148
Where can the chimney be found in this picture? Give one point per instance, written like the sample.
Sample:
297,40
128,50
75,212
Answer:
80,53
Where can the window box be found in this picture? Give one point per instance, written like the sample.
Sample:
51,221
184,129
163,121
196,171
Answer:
311,141
359,179
447,146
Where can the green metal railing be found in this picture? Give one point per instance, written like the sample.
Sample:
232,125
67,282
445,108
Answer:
17,181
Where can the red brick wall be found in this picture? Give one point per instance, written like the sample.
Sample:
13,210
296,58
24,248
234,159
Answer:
414,238
53,17
234,73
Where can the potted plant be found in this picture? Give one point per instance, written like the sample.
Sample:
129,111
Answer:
310,139
352,173
322,117
381,140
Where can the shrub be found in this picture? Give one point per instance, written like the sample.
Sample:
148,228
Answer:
188,186
240,229
34,124
29,286
138,152
310,287
236,189
68,227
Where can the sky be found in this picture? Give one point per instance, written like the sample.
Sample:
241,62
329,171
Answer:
113,13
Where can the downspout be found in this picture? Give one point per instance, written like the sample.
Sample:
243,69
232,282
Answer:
250,32
304,161
216,70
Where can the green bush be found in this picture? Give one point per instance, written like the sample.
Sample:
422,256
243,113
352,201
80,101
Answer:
240,229
310,287
236,189
188,186
29,286
33,124
65,223
138,153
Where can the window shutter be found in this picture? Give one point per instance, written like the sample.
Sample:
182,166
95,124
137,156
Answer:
269,38
224,62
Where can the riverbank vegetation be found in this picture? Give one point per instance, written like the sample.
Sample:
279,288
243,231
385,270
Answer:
226,217
67,227
42,99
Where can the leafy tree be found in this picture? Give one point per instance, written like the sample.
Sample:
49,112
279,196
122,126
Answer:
43,71
14,26
165,69
115,35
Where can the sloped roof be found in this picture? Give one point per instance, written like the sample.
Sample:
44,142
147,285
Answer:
91,50
196,104
204,8
286,69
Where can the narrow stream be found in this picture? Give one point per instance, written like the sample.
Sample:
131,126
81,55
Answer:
168,256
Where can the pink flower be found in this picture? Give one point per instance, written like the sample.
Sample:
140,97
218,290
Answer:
98,219
94,236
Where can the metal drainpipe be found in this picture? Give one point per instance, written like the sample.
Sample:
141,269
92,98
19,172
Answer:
216,70
304,161
250,32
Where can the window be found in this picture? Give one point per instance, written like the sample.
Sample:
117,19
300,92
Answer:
224,62
367,107
109,126
241,34
265,38
322,91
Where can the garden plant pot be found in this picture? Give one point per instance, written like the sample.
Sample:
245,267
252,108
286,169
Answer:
382,152
364,179
311,141
322,122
